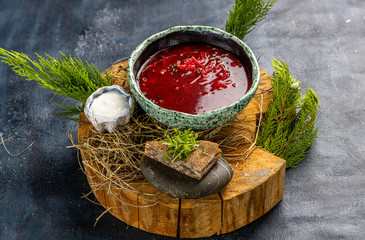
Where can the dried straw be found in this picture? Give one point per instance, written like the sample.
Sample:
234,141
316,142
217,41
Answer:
117,154
2,142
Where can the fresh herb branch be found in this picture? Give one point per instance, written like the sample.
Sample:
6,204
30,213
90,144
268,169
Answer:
180,145
67,76
288,128
245,15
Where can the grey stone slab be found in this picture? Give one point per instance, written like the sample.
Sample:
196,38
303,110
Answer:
173,183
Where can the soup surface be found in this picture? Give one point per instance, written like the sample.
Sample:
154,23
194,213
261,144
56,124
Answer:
193,78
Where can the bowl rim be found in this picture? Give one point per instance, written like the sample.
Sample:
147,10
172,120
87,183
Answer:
199,28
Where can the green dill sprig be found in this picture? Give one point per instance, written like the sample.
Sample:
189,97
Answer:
245,15
67,76
180,145
288,129
69,111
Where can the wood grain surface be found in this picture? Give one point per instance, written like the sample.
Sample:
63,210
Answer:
256,187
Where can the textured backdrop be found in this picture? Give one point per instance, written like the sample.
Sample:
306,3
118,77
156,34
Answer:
322,41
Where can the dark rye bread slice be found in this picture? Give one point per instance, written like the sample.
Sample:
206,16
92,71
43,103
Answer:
196,166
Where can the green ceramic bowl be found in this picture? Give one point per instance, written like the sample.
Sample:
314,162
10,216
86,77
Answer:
186,34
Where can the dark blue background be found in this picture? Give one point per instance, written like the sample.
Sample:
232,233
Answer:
322,41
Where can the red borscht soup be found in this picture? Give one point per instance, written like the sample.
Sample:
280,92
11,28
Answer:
193,78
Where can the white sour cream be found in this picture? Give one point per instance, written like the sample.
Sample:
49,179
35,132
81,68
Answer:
109,105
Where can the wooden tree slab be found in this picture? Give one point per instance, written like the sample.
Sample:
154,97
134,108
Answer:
256,187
